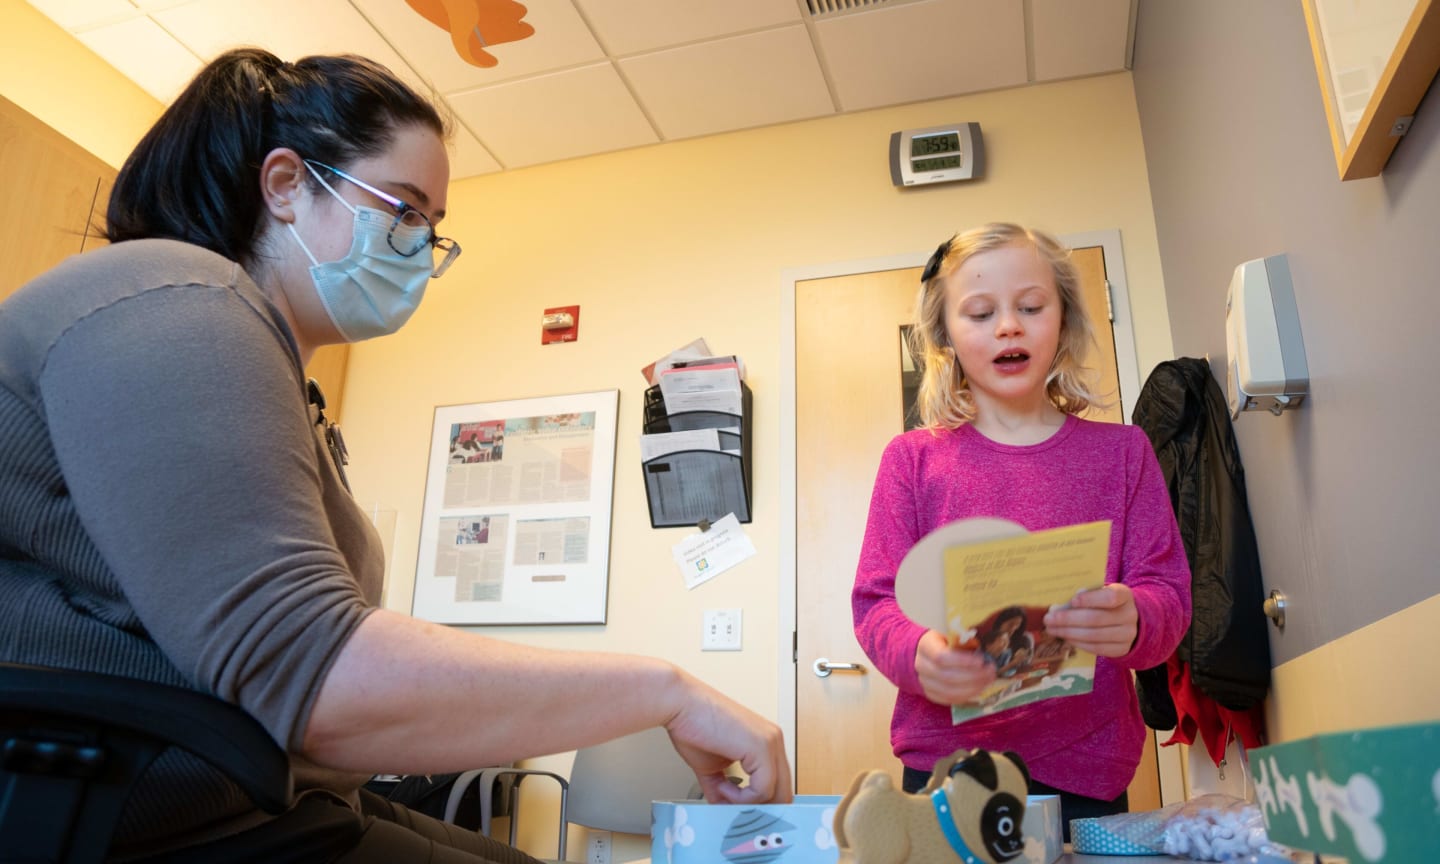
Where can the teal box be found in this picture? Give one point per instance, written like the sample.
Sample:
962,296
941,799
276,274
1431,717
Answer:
693,832
1372,795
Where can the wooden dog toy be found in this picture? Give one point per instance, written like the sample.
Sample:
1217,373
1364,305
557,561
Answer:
970,811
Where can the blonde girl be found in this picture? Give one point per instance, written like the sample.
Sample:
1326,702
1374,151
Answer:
1001,330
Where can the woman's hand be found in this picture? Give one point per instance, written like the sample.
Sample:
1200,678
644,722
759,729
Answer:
949,675
1102,621
711,731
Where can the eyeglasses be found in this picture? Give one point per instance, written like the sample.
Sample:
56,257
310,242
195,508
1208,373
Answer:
444,250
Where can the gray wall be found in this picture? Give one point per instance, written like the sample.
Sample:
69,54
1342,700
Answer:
1344,491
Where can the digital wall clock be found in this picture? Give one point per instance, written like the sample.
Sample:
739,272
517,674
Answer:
939,154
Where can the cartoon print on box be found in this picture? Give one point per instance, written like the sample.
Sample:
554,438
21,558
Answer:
825,834
679,833
692,832
757,837
971,809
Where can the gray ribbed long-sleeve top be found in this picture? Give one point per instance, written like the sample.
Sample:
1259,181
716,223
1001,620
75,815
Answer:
167,509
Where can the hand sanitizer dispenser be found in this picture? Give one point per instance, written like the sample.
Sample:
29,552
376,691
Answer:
1266,364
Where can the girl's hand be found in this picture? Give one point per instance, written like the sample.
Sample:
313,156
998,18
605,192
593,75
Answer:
949,675
1102,621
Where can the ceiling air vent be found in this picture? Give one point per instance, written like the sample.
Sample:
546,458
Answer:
822,8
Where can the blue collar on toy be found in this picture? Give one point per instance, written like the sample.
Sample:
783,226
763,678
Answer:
947,827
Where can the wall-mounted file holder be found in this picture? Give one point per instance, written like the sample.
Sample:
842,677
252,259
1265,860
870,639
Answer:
686,486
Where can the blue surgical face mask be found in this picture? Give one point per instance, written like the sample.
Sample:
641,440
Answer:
373,290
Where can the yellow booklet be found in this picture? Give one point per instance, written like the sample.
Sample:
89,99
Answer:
996,595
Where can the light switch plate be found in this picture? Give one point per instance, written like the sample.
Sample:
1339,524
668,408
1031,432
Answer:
722,630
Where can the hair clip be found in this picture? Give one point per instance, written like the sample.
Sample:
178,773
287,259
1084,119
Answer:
933,265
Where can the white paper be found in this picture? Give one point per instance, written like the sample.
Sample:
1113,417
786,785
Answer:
725,376
720,401
706,388
661,443
711,361
694,350
705,555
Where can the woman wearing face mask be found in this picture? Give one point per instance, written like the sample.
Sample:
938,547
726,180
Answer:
154,389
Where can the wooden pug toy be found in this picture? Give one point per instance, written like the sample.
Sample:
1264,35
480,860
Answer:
970,811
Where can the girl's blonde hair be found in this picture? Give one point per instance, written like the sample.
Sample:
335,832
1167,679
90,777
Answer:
945,400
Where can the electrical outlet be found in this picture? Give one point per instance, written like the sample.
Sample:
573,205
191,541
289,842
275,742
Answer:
721,630
597,847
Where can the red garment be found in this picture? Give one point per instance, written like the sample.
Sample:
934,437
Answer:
1214,722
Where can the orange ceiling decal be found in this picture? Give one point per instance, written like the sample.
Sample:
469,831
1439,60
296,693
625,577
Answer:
475,25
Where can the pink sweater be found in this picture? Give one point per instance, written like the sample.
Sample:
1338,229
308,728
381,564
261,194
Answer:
1089,744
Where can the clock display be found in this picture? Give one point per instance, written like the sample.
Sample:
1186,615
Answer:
936,154
930,145
940,163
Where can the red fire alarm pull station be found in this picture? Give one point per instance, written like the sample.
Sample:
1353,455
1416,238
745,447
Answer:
560,324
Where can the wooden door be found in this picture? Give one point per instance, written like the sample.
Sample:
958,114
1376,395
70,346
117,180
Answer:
848,406
1090,262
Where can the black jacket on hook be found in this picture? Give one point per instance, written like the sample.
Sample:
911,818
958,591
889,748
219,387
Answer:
1227,649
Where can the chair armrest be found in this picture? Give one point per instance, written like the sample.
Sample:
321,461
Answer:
486,779
220,733
457,792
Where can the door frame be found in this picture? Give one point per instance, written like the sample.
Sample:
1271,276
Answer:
1127,365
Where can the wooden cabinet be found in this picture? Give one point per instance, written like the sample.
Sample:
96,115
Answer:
55,196
56,193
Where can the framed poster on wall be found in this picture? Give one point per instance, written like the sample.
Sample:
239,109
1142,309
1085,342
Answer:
515,527
1375,60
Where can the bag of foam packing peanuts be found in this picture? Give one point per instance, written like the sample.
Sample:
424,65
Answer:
1213,827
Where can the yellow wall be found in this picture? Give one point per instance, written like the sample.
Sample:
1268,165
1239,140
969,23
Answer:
55,77
1380,675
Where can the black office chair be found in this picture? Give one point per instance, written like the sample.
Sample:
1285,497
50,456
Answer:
72,744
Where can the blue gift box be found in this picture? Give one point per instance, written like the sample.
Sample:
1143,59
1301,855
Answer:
693,832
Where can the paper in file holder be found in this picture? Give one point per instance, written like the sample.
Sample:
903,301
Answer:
686,486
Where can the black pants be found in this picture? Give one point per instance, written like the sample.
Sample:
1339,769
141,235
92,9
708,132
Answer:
1072,806
322,830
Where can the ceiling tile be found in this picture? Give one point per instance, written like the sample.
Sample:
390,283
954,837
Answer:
1079,37
767,77
632,26
157,5
696,67
551,117
286,28
145,54
467,157
916,51
561,39
80,14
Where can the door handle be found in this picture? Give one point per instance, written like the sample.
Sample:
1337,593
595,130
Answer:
1274,608
823,667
